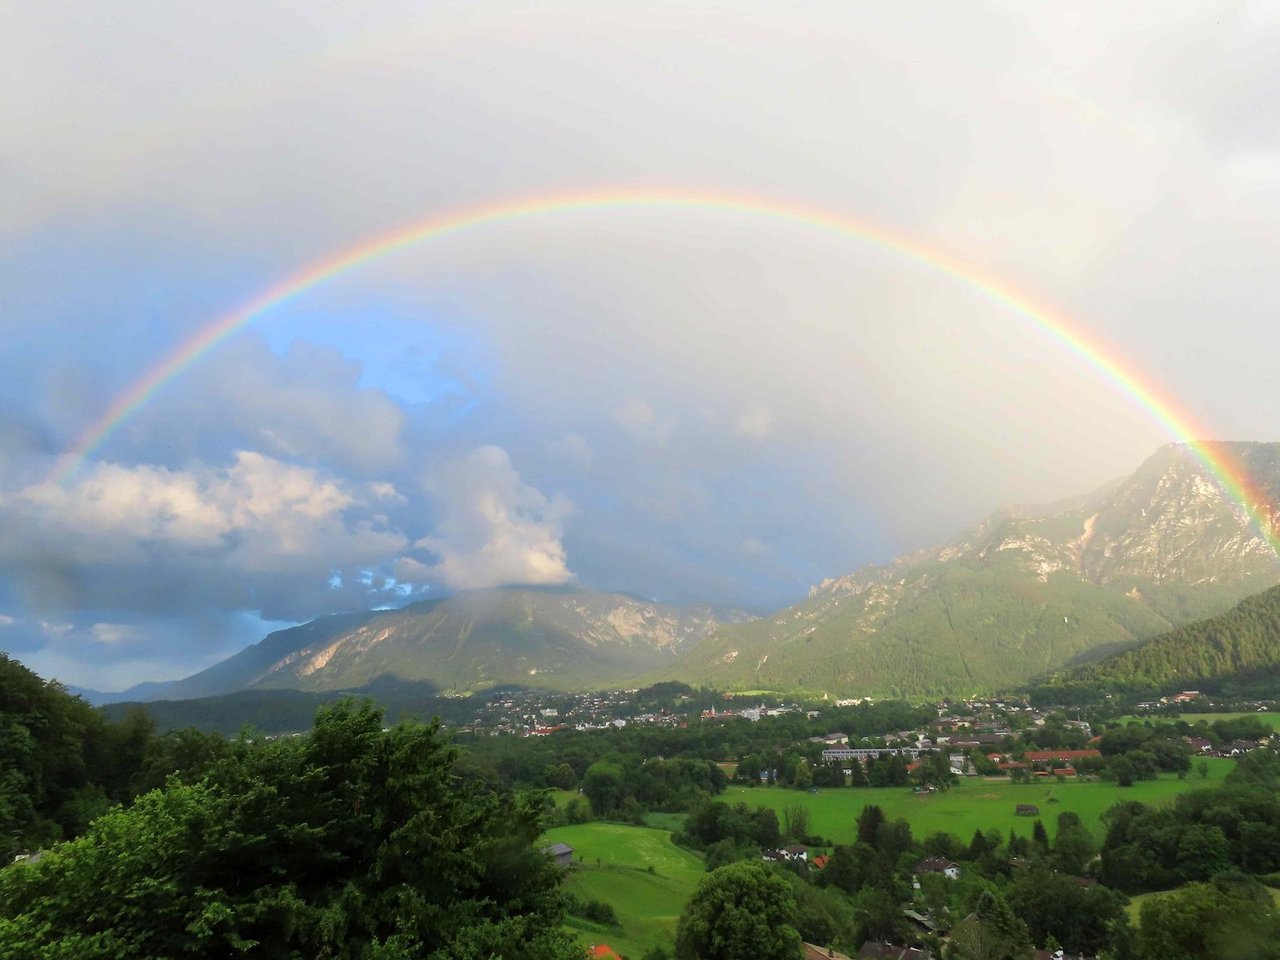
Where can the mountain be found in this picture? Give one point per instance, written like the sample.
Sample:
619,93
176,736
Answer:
558,639
1029,591
1233,650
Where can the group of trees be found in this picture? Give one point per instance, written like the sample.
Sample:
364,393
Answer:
62,763
1012,895
773,743
355,842
1205,832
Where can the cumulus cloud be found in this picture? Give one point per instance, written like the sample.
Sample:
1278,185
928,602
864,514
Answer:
149,538
494,528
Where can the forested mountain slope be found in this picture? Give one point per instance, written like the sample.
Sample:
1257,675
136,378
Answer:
1029,591
1240,645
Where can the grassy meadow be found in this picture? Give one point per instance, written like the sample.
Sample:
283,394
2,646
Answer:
1271,719
975,803
612,863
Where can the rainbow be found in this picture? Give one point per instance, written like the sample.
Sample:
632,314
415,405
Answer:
1126,378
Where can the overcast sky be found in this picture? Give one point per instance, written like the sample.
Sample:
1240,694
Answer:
690,405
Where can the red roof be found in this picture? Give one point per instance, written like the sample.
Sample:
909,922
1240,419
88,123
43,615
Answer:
602,951
820,861
1043,756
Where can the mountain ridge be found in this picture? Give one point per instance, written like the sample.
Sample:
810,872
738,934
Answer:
464,642
1026,591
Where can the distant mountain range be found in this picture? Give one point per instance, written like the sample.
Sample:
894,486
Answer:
561,639
1031,591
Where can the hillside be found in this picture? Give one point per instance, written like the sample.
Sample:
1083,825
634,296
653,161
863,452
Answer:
558,639
1027,592
1238,647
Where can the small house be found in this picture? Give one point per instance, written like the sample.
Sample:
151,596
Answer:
948,868
1026,810
561,853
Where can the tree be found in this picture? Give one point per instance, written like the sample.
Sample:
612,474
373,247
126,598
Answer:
744,911
857,776
795,821
802,779
991,932
879,914
1055,905
1040,837
602,786
1201,920
870,820
852,868
354,842
1073,846
1123,770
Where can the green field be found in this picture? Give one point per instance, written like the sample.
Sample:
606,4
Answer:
612,863
974,803
1269,718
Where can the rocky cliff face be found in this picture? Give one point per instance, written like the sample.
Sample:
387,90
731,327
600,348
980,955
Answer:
1029,590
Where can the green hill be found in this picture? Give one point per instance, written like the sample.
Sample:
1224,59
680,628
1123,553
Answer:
1237,649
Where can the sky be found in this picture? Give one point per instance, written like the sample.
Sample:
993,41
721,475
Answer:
685,403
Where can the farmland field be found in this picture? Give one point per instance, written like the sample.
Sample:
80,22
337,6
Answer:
1269,718
973,804
612,863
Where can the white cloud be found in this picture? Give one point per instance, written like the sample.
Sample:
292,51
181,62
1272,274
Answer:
755,424
640,420
494,528
262,514
6,620
571,449
113,634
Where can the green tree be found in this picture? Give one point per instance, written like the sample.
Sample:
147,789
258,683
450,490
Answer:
1201,920
870,820
1073,847
355,842
795,821
602,786
743,911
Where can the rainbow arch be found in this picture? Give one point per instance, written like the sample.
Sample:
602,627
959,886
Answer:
1124,376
